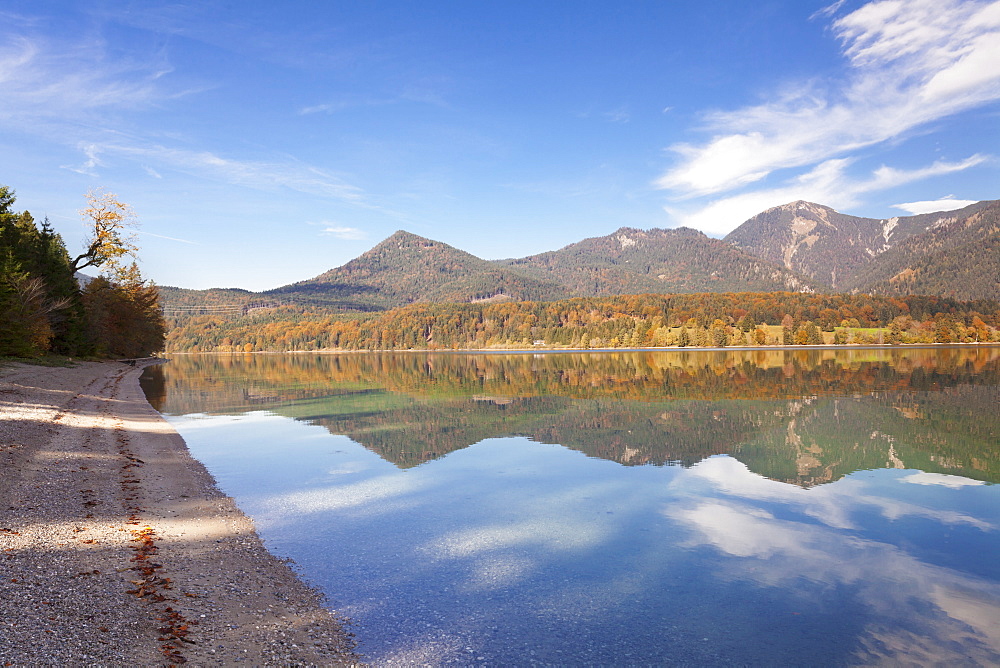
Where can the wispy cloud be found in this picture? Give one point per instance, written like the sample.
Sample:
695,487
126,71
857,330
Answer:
261,175
326,108
828,183
63,91
910,63
346,103
619,115
426,91
161,236
948,203
828,11
88,168
43,81
346,233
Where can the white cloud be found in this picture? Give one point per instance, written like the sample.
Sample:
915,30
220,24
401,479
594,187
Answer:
346,233
745,531
160,236
260,175
331,107
911,63
480,540
619,115
319,108
942,479
948,203
256,174
65,91
827,11
88,168
828,183
42,81
827,503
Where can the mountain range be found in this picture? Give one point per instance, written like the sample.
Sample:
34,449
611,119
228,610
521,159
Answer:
845,253
800,246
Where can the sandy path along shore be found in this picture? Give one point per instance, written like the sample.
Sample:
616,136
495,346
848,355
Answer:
117,547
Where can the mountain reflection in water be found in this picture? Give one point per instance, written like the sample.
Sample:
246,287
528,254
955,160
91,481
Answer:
628,508
802,417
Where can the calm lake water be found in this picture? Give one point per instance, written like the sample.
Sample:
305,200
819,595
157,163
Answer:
633,508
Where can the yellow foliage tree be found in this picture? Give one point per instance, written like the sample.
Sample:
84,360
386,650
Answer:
109,239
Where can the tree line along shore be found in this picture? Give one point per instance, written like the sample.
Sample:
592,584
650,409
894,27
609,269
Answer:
622,321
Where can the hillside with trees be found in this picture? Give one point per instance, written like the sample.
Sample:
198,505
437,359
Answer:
681,320
682,260
407,268
43,308
635,288
960,258
840,251
799,247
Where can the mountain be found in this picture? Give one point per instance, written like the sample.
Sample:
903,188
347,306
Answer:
832,247
957,257
182,302
407,268
801,246
632,261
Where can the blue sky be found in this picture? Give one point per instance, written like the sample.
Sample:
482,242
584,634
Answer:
263,143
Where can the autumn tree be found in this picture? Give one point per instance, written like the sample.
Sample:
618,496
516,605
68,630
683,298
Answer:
42,308
123,310
719,334
109,222
124,314
759,335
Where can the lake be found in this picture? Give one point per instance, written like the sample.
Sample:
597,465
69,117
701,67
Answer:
769,507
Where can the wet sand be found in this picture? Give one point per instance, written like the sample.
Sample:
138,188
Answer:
116,547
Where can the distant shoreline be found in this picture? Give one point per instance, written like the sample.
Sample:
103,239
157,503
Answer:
546,351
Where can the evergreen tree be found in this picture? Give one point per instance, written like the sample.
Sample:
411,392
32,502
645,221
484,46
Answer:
41,306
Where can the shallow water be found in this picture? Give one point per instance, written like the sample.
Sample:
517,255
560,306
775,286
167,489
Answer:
829,508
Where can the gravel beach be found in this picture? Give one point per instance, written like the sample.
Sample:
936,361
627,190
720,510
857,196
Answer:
116,547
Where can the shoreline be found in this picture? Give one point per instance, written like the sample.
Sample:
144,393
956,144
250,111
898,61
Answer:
118,547
543,351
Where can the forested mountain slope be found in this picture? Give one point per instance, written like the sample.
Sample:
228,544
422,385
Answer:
799,247
828,246
958,258
632,261
407,268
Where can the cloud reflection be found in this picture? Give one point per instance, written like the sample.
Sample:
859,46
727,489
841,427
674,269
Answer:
828,504
921,612
371,494
953,481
